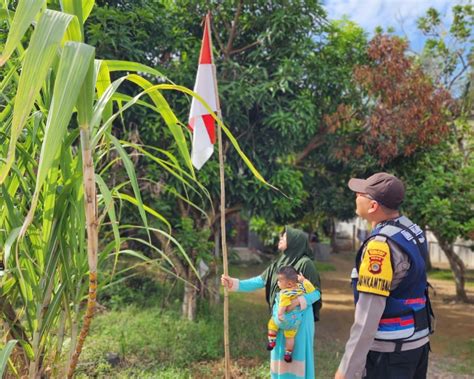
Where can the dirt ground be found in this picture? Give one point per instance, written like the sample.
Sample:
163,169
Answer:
454,325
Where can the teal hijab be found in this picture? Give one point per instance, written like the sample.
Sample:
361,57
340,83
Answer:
299,255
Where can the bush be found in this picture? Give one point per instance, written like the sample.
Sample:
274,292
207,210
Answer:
150,338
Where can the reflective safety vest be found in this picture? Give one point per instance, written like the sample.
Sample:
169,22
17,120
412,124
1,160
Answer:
407,315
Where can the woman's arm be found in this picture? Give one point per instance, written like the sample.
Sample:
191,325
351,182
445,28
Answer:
309,271
309,298
247,285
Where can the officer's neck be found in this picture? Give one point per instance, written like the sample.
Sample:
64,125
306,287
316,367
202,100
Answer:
383,217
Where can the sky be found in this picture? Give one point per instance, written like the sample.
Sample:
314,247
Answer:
400,14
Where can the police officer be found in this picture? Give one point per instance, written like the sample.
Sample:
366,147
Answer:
389,337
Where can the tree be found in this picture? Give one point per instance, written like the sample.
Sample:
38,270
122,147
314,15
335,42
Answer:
390,109
403,111
440,191
286,77
263,51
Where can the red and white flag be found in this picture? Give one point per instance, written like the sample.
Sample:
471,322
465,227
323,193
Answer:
200,121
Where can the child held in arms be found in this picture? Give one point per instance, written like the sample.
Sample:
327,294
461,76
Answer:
291,286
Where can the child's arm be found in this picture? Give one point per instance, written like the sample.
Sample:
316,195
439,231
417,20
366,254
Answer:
281,313
285,301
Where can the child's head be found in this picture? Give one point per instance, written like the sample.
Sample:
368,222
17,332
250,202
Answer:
287,277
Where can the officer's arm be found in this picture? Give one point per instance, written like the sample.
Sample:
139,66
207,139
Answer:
375,278
369,310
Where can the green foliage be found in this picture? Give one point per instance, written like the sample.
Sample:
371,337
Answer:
277,78
448,275
195,241
139,289
268,232
153,339
463,365
439,187
447,53
325,267
5,355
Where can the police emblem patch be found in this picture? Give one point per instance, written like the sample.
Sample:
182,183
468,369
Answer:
375,271
376,258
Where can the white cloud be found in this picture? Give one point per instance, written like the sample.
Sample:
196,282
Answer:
399,14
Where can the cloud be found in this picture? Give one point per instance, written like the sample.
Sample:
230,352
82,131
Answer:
399,14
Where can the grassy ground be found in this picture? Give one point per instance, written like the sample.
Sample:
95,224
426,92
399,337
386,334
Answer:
448,275
152,341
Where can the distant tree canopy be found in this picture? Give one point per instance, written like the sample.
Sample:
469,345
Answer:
441,179
312,102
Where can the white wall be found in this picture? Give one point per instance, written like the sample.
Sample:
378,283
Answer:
461,248
438,258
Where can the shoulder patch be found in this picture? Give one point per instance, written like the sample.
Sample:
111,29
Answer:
375,271
415,229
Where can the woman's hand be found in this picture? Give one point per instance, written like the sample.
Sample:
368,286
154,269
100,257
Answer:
227,281
293,305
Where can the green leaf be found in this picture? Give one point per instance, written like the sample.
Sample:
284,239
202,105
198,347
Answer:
137,200
73,67
74,7
87,6
86,98
110,207
24,16
102,84
133,66
167,114
39,57
5,354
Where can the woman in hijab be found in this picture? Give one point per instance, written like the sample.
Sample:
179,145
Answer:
296,252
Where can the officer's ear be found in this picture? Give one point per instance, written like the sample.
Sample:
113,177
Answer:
374,206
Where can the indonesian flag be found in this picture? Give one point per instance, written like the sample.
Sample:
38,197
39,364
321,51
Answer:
200,121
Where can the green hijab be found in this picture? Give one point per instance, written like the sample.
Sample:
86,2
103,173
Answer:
299,255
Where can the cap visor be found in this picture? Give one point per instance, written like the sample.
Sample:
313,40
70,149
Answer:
357,185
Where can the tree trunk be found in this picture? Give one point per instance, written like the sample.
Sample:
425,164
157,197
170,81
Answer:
332,234
189,301
428,264
458,268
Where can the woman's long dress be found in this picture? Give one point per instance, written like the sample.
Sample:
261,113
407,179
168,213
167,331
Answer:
302,366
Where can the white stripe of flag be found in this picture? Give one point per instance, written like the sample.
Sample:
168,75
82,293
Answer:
200,121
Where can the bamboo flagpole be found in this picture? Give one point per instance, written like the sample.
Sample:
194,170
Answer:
203,126
224,251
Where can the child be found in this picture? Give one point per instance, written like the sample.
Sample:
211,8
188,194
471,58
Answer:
291,286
